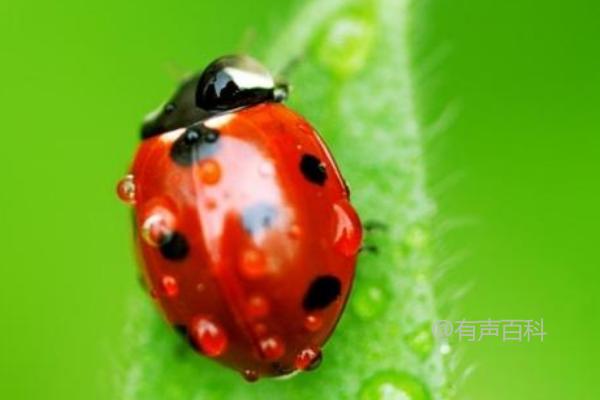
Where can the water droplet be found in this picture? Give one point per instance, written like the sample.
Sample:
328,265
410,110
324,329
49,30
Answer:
266,169
346,45
250,375
271,348
158,227
253,264
209,171
392,385
308,359
348,234
209,337
421,340
445,349
313,322
260,329
211,204
295,231
370,301
126,189
257,307
416,238
170,286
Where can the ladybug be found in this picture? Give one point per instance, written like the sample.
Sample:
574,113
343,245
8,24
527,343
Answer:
244,228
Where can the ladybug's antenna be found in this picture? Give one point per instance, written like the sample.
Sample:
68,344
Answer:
291,65
247,42
282,87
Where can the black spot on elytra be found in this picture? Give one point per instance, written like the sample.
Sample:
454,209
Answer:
195,143
313,169
323,291
174,247
258,217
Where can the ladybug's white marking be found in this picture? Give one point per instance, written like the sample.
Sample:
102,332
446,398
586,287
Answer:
266,169
219,121
170,137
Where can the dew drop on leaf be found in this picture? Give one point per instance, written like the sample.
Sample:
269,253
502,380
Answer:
392,385
416,238
421,340
345,45
370,301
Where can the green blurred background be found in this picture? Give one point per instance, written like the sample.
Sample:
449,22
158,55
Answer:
514,172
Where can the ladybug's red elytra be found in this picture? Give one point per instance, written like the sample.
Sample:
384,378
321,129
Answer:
243,222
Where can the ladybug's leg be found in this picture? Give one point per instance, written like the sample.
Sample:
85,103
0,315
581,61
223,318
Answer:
282,88
291,65
369,248
182,348
374,225
371,227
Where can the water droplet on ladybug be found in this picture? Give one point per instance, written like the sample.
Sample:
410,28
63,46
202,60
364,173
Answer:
157,227
308,359
271,348
313,322
295,231
250,375
260,329
393,385
208,336
348,230
170,286
126,189
257,307
253,264
209,171
211,204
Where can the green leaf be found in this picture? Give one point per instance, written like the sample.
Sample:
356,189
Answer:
352,80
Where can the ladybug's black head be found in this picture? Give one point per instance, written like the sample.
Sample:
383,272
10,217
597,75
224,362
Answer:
236,81
180,111
228,83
